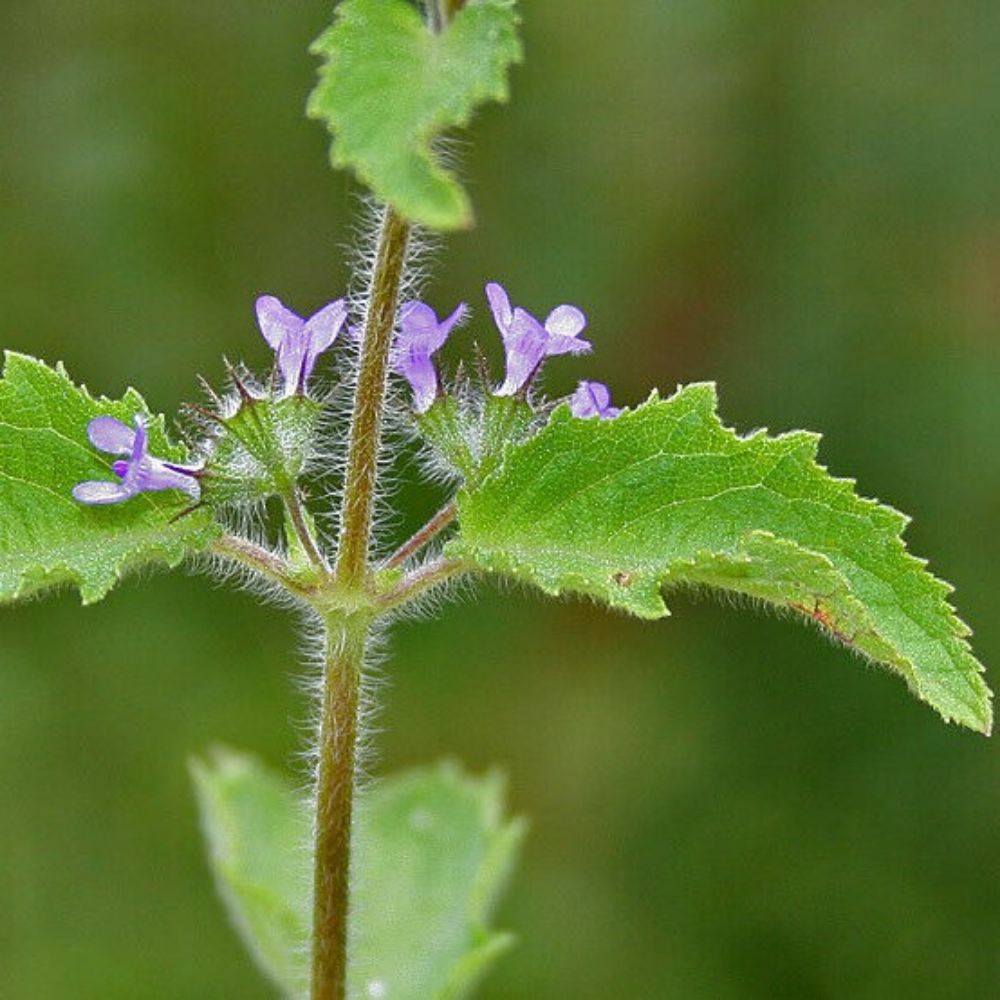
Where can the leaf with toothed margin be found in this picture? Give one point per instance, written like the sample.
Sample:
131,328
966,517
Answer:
46,537
665,496
389,87
431,852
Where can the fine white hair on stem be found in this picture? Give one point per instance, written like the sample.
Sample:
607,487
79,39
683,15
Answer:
430,603
225,571
419,249
314,653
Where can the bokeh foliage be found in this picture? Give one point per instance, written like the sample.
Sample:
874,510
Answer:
798,201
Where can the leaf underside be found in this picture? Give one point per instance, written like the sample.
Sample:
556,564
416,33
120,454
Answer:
665,496
388,87
46,537
431,852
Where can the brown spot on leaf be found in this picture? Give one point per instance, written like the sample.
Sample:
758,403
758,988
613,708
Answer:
622,578
824,619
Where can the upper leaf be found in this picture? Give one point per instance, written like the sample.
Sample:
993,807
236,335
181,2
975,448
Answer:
46,537
665,495
431,850
389,86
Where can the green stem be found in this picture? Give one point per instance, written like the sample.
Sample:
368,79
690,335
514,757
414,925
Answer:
431,574
369,400
269,565
345,649
426,534
346,632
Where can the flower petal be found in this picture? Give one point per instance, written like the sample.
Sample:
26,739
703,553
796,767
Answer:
275,321
291,361
419,326
558,344
322,327
525,344
523,325
449,324
418,369
600,394
565,321
593,399
137,461
500,305
158,475
94,492
417,319
140,441
111,435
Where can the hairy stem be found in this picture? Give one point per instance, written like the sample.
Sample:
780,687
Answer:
420,538
345,648
347,632
270,566
431,574
369,400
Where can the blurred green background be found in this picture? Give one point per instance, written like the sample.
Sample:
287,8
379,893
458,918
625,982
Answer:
799,200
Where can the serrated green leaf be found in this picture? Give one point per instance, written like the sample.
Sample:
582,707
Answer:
665,496
432,850
389,86
433,854
257,832
46,537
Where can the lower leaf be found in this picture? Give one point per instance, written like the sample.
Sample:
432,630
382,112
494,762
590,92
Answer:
432,850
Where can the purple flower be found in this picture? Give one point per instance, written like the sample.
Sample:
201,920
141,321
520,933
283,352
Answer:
297,342
420,335
139,473
593,399
527,342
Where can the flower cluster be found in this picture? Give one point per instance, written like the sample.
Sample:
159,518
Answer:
297,343
527,343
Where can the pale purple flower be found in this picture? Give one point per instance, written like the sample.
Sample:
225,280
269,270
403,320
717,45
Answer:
527,342
139,473
297,342
593,399
420,335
